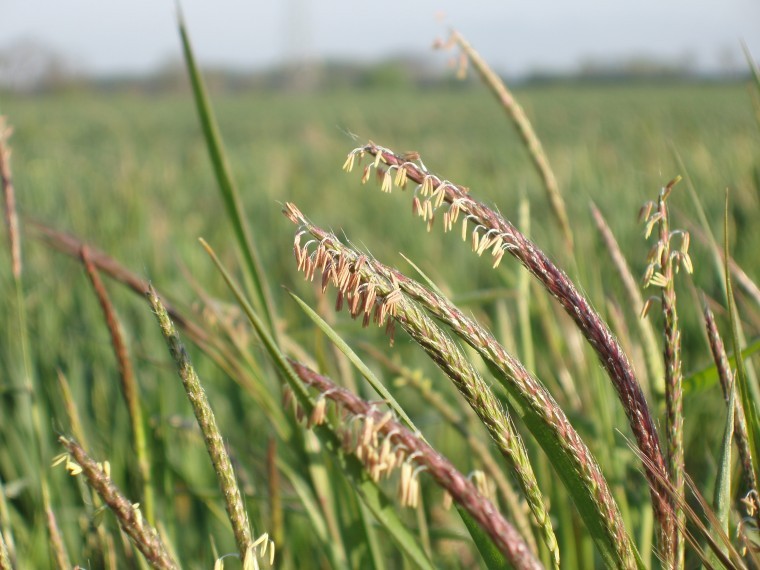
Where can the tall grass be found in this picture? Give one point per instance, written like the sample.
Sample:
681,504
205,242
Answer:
340,445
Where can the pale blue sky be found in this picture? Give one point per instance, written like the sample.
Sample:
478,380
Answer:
137,35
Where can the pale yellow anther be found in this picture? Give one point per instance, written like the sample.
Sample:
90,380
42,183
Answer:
249,560
686,262
317,416
447,501
651,223
497,258
658,280
58,459
485,243
138,515
384,420
454,213
72,467
648,274
387,185
427,185
400,177
440,195
367,430
645,308
416,206
404,482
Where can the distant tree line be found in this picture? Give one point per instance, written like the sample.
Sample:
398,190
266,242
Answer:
30,67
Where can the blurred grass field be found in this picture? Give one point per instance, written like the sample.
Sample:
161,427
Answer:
129,173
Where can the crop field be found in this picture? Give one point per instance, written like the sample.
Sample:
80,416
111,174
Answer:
129,174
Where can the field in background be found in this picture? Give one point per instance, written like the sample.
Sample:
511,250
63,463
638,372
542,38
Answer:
130,174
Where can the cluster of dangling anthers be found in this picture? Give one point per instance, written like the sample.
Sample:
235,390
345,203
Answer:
663,256
430,194
372,436
361,291
74,469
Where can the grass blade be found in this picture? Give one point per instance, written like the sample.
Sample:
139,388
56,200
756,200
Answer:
5,559
748,395
371,540
428,281
722,494
491,555
728,386
228,189
355,360
707,377
308,502
326,489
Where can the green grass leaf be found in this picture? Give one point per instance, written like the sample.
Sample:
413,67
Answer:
309,504
356,361
491,555
748,395
722,495
227,187
707,377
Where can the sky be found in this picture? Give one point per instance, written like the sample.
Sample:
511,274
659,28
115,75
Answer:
136,36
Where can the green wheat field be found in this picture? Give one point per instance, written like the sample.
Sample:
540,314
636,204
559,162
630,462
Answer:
129,174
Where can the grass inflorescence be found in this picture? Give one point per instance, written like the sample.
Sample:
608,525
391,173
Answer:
130,518
403,450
